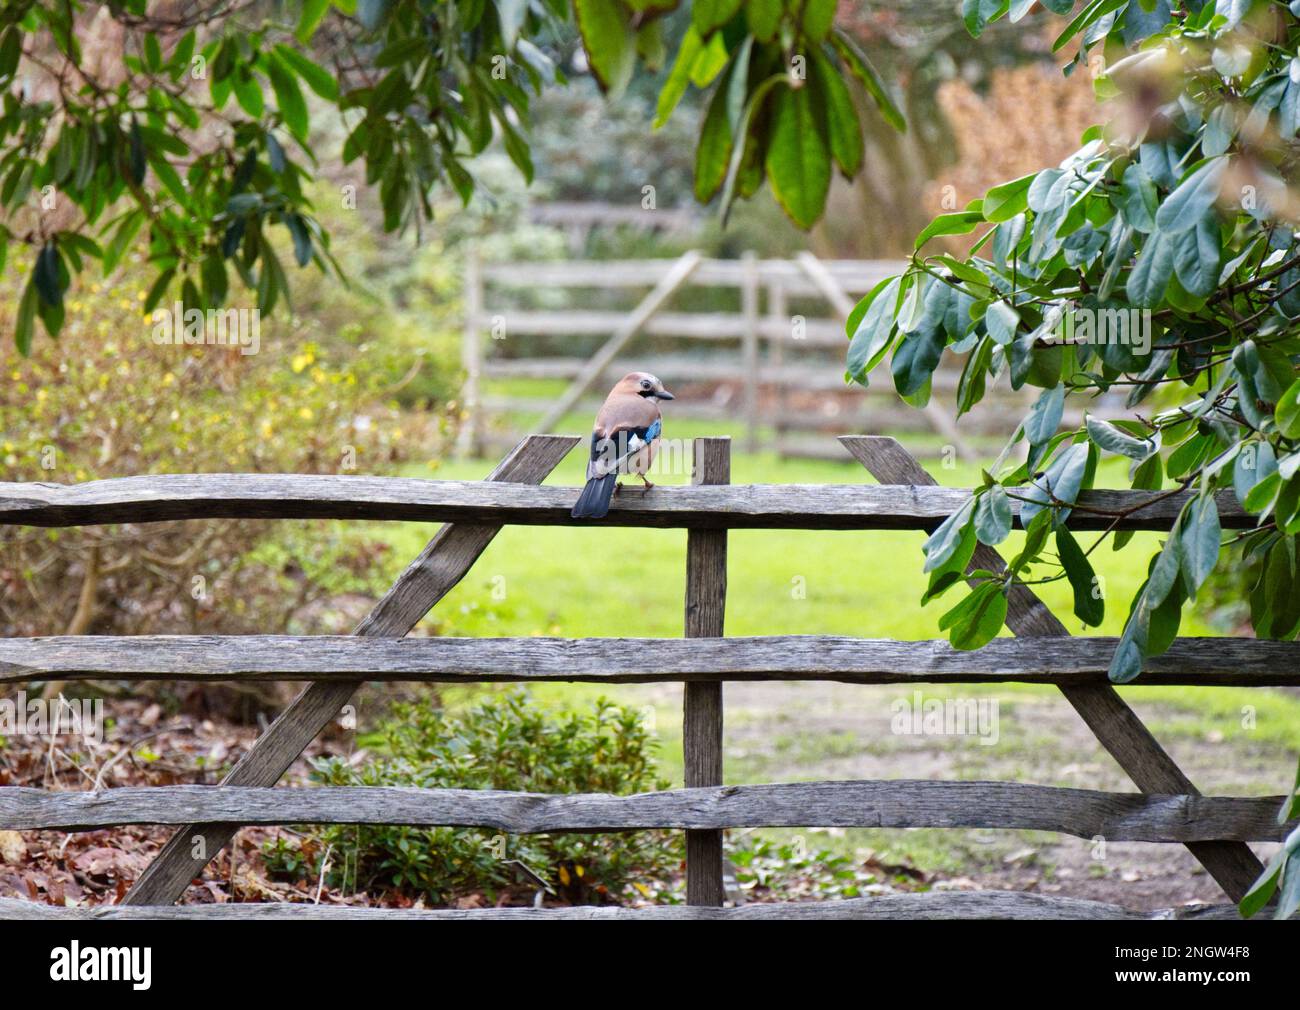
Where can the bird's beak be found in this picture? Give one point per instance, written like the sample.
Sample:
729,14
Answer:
663,394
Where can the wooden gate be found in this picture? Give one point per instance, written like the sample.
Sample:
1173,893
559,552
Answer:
1168,808
774,361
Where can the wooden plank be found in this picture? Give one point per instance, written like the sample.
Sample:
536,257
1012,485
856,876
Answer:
814,372
1071,662
440,566
1084,813
628,329
753,506
1115,725
706,604
711,326
941,905
855,276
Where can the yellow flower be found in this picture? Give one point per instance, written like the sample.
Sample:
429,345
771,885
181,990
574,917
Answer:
306,414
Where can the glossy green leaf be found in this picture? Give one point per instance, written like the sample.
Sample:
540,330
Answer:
941,544
1194,198
1089,604
958,223
993,516
798,158
608,40
288,98
976,621
1151,273
861,68
1045,416
707,15
1115,440
841,115
1001,203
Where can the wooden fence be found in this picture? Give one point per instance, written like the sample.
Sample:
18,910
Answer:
776,366
1168,807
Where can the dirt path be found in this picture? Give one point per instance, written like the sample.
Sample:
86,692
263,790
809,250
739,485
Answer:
789,732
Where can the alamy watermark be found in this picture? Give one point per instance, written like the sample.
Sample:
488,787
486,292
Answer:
179,326
50,717
921,716
1083,325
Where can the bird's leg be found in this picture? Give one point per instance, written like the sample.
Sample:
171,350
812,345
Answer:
647,484
617,485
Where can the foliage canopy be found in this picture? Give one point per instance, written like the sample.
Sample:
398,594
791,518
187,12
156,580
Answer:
1159,265
195,134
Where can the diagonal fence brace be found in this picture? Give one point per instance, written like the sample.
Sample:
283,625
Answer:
1116,726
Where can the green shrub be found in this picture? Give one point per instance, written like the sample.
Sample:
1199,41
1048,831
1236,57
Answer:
504,742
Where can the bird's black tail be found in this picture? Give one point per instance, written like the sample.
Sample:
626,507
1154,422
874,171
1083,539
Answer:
593,503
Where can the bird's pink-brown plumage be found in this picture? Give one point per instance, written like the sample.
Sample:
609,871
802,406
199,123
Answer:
625,409
624,439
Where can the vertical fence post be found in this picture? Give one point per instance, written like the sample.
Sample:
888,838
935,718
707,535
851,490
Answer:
706,600
749,298
471,357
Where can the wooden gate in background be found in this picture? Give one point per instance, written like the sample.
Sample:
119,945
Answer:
1167,809
776,365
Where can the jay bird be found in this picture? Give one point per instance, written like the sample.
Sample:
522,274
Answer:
624,440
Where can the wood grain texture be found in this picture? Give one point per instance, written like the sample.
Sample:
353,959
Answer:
1115,725
960,905
706,604
494,503
440,566
1071,662
894,803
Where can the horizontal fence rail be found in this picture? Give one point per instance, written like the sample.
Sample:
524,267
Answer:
732,506
855,276
1242,662
1119,817
962,905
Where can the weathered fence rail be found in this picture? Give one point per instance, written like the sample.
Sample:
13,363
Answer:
972,905
1205,662
699,506
1120,817
1168,808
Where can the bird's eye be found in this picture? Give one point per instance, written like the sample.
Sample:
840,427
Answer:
645,383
